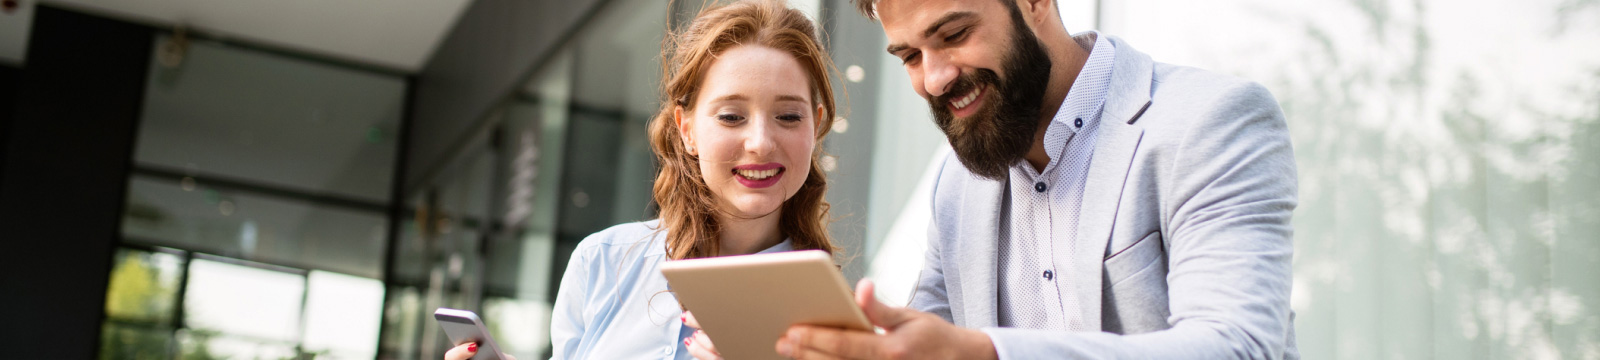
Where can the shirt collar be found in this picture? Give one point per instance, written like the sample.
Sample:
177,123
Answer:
786,245
1088,93
1085,99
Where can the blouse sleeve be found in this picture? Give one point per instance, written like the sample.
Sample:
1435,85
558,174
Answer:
568,322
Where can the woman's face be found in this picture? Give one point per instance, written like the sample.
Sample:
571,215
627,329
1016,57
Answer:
753,126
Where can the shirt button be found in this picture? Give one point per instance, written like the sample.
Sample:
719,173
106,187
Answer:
1077,122
1039,186
666,351
1049,275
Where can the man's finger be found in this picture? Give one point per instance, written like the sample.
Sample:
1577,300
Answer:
879,314
811,342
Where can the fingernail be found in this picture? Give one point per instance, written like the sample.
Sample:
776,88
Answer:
683,318
472,347
687,341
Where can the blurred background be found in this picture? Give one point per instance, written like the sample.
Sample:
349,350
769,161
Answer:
297,179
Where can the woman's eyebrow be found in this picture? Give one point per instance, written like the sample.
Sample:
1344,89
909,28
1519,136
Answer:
792,98
732,97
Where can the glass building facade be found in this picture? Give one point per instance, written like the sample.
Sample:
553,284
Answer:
1448,156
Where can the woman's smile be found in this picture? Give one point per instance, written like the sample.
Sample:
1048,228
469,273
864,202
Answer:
757,176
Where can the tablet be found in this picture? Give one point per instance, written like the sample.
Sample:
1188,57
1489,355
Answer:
746,302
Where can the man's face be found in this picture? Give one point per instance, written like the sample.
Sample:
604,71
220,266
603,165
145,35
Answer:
981,69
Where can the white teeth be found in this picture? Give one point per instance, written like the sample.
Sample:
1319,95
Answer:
757,174
965,100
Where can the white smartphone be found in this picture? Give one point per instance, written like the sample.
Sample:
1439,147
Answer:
464,326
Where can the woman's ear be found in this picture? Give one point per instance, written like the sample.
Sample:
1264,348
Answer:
823,114
684,132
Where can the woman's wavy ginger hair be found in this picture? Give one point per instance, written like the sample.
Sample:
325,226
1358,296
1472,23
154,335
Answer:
688,206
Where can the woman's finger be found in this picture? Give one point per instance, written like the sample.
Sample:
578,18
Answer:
700,339
461,352
688,319
701,349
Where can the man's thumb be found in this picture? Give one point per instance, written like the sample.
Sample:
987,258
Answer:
879,314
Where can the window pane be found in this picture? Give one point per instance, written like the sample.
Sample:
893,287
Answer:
244,114
342,316
253,227
244,301
121,341
143,286
208,345
521,327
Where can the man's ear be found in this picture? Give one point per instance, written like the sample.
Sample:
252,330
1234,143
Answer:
1037,11
684,132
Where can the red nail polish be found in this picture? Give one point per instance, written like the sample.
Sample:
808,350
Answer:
686,341
472,348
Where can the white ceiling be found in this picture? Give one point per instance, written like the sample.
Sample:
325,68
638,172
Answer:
394,34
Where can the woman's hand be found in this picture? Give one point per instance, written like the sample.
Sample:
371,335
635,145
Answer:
466,351
699,344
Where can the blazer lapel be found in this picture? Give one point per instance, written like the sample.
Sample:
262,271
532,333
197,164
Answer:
1108,172
980,236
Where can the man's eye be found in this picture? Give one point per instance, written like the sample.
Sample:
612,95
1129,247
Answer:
909,58
730,117
956,36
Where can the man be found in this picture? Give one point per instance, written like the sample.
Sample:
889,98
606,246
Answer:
1099,204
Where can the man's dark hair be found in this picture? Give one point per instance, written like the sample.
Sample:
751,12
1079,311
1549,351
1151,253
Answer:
865,7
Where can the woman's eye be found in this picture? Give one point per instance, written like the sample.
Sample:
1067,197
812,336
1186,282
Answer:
791,117
730,118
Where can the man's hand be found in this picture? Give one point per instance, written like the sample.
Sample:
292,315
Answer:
909,334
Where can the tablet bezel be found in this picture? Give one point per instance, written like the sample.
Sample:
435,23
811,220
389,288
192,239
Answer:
746,302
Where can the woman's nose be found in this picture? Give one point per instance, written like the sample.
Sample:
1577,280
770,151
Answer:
759,137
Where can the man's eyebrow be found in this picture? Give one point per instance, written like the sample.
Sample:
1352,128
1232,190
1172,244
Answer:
946,19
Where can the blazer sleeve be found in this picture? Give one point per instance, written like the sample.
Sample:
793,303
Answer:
1229,197
931,295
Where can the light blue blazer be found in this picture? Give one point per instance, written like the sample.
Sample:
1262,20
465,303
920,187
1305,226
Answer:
1188,201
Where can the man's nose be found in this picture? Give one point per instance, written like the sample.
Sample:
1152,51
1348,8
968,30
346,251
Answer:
938,75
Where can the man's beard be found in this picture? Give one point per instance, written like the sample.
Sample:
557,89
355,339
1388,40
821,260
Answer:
1001,132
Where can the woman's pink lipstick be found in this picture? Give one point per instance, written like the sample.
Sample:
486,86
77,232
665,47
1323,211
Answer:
762,183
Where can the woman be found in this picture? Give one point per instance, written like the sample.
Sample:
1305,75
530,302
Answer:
747,103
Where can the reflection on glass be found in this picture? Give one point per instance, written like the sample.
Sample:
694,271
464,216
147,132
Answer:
254,227
279,121
342,316
139,342
143,286
259,304
521,327
200,344
404,321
